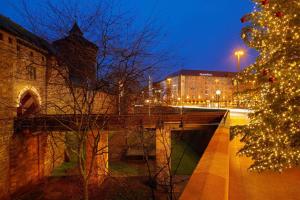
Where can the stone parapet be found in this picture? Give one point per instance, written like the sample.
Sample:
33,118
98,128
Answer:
210,179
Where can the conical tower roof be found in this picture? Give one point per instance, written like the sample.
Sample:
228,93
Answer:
75,30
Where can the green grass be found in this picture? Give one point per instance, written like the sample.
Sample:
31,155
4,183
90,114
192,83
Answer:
189,161
123,169
63,168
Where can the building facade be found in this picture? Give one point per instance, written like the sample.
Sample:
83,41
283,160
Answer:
199,87
23,61
32,82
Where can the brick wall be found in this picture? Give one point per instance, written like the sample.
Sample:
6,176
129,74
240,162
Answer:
6,114
14,58
26,160
5,130
32,157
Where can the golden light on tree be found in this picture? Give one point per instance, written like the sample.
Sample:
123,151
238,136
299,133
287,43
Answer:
272,139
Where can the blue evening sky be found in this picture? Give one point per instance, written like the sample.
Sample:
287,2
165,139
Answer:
202,34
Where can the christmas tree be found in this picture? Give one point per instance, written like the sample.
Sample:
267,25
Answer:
272,138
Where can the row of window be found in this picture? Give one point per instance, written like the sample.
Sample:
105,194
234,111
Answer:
10,41
229,81
31,70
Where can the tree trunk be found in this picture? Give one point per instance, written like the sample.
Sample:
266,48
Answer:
85,190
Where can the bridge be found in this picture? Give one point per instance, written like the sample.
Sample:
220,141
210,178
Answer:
32,149
69,122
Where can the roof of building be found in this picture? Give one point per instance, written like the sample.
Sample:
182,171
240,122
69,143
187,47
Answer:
75,30
188,72
15,29
76,34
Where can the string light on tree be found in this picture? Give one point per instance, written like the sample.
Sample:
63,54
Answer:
272,139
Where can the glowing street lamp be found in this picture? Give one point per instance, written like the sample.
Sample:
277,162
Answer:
218,94
147,101
239,54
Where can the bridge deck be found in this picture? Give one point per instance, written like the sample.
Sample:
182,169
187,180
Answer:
76,122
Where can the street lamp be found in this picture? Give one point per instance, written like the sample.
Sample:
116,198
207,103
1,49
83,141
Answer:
238,54
169,91
181,107
149,109
218,94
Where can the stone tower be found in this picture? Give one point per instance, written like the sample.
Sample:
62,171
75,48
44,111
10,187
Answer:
79,55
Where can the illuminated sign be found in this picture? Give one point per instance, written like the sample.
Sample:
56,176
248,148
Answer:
205,74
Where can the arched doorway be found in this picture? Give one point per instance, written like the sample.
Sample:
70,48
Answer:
27,148
29,104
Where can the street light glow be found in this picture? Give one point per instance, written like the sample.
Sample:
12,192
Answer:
218,92
239,53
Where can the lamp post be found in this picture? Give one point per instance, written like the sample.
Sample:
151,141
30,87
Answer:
181,105
121,91
169,90
218,94
238,55
149,109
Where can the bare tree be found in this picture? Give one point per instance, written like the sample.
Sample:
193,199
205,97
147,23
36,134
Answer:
84,79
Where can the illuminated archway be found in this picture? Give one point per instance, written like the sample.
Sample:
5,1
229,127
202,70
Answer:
29,102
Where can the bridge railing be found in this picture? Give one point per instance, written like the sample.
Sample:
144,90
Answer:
210,179
69,121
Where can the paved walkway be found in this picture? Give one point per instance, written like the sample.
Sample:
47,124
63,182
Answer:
245,185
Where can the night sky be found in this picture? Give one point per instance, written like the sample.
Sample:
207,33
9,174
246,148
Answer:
202,34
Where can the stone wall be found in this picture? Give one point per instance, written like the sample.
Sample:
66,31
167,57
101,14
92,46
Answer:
15,57
32,157
64,98
210,179
26,160
100,168
5,132
6,125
